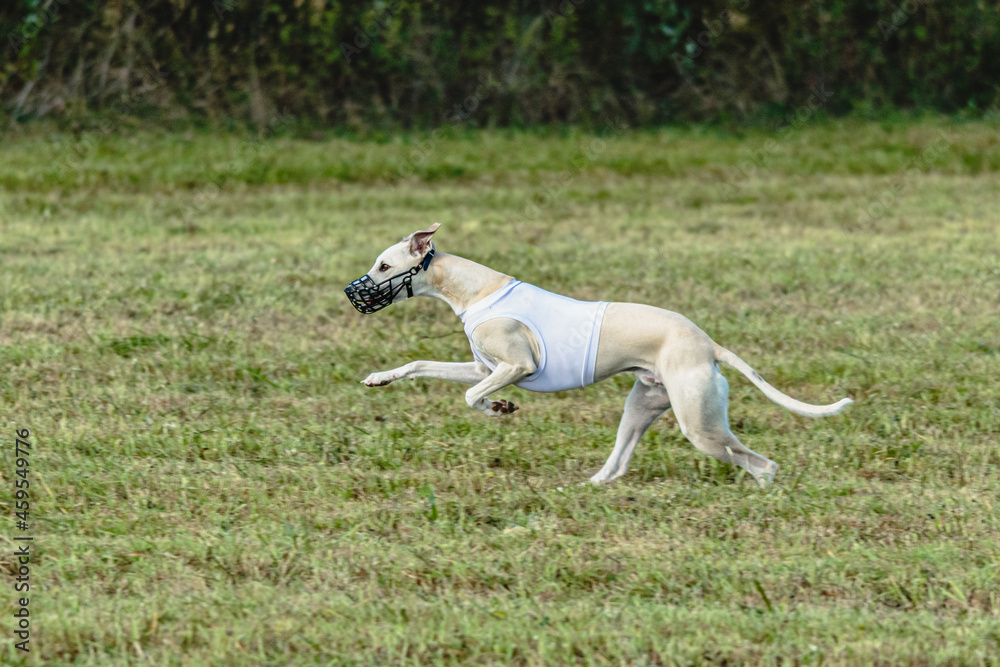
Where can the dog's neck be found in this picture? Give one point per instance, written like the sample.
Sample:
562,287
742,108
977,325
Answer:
459,282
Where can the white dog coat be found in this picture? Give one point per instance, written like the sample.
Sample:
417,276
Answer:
567,332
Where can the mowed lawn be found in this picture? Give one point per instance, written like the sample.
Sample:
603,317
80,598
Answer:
212,485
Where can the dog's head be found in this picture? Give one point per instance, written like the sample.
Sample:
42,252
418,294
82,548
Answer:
394,274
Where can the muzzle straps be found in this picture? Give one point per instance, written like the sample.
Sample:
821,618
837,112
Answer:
368,297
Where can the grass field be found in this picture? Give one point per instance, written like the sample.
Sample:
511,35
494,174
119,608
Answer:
211,485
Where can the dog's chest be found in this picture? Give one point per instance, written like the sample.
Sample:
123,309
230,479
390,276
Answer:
567,332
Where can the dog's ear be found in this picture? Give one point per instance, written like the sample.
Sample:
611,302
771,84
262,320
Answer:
420,242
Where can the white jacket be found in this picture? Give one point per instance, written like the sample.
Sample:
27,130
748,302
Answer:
567,331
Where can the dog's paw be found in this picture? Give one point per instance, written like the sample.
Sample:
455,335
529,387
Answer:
503,407
766,479
378,379
600,479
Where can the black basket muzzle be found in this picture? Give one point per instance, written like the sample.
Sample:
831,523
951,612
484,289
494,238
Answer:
368,297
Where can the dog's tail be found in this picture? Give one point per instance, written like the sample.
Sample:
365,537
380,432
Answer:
785,401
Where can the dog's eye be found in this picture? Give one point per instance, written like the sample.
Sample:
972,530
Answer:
383,267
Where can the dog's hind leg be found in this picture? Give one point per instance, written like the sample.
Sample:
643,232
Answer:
700,399
645,404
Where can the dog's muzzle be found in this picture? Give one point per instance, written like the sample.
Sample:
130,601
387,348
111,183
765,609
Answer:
367,296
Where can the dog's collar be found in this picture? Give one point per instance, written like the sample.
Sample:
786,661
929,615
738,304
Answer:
427,259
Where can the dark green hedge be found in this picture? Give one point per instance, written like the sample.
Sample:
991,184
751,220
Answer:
403,64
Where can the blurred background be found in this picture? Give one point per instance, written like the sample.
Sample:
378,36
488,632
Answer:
400,64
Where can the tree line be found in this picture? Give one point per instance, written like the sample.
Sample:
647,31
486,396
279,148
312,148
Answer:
404,64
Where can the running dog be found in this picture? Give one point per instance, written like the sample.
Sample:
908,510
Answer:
522,335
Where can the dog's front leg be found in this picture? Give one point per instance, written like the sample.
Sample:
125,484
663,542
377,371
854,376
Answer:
504,375
512,347
467,373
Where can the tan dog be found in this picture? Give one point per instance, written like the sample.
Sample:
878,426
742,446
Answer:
675,362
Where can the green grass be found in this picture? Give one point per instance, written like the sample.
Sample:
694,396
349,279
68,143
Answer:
212,486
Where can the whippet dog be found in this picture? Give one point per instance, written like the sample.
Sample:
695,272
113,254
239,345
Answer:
522,335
